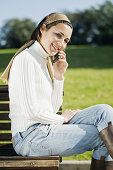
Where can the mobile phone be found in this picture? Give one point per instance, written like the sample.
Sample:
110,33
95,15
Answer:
56,58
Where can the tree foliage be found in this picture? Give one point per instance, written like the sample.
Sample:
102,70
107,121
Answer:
93,26
16,32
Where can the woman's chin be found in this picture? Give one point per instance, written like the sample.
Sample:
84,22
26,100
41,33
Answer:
52,53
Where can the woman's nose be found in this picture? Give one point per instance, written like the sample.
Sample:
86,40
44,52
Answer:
61,44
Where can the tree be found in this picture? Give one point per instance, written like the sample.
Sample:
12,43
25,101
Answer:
93,26
16,32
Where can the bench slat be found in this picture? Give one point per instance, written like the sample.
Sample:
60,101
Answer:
59,113
6,150
29,163
7,153
2,158
60,108
5,126
4,116
5,136
4,106
4,96
6,146
30,168
3,88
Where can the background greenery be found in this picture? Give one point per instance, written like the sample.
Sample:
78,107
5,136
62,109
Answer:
88,79
92,26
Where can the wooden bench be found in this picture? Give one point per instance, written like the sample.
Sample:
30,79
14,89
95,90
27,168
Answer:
8,157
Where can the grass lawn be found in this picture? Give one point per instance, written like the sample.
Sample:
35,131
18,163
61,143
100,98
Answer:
88,79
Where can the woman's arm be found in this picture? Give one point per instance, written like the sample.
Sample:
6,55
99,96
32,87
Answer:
59,68
57,95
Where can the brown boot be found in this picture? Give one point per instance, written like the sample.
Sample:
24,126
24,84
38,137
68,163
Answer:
108,165
107,136
97,164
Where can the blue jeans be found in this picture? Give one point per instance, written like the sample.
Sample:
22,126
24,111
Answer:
79,135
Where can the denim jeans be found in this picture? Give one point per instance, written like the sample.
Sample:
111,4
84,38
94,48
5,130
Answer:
79,135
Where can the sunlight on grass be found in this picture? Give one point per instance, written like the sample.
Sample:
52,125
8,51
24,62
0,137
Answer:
85,156
86,87
7,51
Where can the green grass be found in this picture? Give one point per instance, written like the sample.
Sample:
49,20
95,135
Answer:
84,156
5,56
86,87
88,79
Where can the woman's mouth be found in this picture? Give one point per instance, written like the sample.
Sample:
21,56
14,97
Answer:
55,48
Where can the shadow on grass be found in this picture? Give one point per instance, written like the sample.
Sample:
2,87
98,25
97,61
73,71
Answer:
4,60
77,57
90,57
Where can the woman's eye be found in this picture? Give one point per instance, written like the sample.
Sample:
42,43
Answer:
58,35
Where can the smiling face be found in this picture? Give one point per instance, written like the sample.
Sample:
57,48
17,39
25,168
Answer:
55,38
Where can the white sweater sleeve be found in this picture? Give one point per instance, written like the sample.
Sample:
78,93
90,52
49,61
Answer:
57,96
28,84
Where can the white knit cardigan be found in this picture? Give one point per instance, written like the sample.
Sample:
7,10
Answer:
33,97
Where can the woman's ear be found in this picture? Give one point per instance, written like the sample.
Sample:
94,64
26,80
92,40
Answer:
43,28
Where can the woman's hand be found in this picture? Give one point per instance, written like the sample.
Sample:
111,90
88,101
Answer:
60,66
69,114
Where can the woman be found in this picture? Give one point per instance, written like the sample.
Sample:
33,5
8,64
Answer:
35,91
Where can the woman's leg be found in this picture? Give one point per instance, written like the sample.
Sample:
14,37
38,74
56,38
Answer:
63,140
73,139
97,115
102,117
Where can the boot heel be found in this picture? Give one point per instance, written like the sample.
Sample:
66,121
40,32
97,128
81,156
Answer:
109,165
97,164
107,137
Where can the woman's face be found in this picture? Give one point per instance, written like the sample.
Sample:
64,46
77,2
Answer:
55,38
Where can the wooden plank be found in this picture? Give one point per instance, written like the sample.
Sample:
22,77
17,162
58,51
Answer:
7,153
31,168
29,163
43,161
4,116
60,108
5,126
6,150
4,106
3,88
4,96
5,136
17,158
59,113
5,146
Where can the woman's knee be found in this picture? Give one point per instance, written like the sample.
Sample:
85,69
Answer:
105,108
107,111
